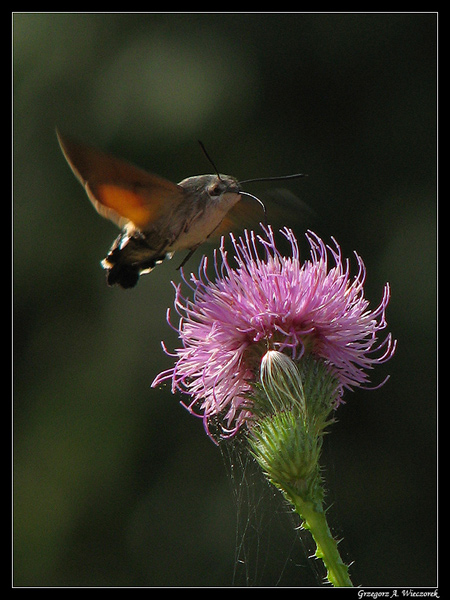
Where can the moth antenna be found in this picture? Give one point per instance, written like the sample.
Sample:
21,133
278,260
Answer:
202,146
276,178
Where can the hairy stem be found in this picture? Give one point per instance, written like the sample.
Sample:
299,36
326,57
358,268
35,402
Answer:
315,520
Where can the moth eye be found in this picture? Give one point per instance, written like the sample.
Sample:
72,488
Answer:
216,189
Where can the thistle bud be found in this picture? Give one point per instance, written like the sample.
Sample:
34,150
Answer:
286,439
281,382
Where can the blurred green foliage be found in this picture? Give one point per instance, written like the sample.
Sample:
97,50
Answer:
115,484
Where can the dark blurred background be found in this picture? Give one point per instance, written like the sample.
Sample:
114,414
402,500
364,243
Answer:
115,483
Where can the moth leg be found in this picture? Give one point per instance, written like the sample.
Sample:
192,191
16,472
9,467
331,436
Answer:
188,256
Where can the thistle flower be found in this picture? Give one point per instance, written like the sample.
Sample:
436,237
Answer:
275,342
271,302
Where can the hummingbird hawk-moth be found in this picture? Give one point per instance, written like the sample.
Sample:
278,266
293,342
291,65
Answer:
157,217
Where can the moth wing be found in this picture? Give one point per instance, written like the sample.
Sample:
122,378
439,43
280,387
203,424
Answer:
282,207
245,214
119,190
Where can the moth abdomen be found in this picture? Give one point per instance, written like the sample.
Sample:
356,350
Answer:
124,275
129,257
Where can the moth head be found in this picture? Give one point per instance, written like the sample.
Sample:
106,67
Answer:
215,186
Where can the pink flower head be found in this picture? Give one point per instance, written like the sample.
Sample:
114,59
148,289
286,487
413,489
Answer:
277,303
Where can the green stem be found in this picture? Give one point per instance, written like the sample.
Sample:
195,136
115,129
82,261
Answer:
315,520
295,405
